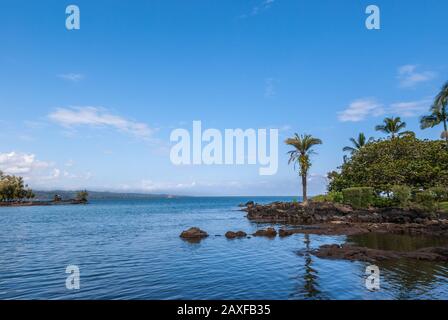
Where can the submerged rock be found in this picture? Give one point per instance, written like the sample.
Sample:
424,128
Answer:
269,232
193,233
233,235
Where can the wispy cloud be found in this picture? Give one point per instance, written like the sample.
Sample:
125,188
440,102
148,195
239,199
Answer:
361,109
98,117
409,76
411,108
73,77
263,6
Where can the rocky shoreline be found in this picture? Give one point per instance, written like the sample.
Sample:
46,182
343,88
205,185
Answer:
326,218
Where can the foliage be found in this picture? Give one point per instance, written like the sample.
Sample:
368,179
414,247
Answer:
419,164
358,143
440,193
443,206
301,155
438,113
393,126
82,195
358,197
13,188
426,200
329,197
401,194
383,202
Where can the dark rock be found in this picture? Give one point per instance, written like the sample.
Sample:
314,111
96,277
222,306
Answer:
233,235
193,233
349,252
288,232
269,232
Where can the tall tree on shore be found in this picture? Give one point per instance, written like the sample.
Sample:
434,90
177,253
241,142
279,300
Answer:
392,126
357,143
301,155
438,113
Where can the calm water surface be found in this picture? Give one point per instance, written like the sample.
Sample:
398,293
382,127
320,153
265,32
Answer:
130,249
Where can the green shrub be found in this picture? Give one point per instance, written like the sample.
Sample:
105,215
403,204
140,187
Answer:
443,206
401,195
358,197
333,196
383,202
426,200
440,193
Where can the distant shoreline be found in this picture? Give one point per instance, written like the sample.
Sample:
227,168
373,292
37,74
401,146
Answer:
42,203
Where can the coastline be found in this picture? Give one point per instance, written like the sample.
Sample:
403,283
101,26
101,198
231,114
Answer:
327,218
42,203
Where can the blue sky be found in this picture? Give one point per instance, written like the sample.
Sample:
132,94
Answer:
94,108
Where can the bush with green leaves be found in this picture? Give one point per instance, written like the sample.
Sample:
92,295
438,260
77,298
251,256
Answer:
381,164
333,196
426,200
440,193
359,197
401,195
13,188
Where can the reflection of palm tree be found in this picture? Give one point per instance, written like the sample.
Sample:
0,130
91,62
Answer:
310,275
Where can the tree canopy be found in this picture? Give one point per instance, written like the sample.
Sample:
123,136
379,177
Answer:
385,163
13,188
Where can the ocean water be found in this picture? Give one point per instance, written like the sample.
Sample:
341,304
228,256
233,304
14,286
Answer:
130,249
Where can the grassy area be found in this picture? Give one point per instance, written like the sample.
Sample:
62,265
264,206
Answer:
444,206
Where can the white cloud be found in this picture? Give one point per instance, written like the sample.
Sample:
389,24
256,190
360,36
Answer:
410,109
410,77
98,117
73,77
361,109
40,174
20,163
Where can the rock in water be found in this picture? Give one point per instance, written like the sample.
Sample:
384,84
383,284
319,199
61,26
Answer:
193,233
233,235
269,232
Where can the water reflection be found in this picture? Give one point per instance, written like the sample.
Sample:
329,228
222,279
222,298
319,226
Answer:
409,277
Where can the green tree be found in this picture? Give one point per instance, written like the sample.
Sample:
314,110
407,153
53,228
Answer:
358,143
393,126
438,113
82,195
419,164
301,155
13,188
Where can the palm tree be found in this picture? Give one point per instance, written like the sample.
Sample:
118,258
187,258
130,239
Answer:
439,113
393,126
358,143
301,154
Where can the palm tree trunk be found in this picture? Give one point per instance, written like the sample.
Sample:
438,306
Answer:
445,128
305,198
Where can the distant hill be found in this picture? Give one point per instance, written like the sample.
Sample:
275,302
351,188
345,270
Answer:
97,195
